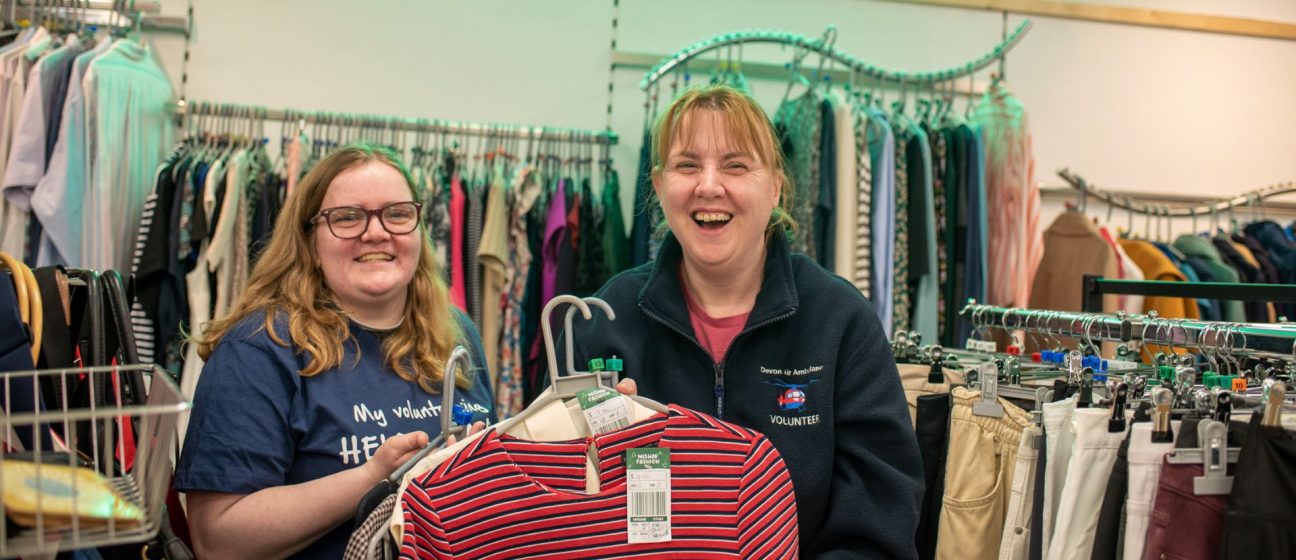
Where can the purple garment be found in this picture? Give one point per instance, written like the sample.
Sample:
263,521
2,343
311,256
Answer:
555,234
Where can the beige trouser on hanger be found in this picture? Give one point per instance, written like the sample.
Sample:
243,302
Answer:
978,478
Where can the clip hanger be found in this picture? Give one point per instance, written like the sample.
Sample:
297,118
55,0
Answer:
1116,423
1162,432
1275,393
1214,456
988,379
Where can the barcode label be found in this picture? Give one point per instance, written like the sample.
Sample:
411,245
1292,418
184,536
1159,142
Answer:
617,424
648,487
646,506
605,410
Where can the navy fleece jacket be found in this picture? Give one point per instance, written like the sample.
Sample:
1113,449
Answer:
812,370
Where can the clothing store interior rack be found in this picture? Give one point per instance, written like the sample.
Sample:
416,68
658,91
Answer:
1253,340
1258,340
1096,286
393,124
855,68
109,13
1205,206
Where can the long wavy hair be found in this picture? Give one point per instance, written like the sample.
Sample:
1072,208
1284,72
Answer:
286,280
748,126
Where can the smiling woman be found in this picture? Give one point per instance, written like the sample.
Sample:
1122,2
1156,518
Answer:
366,264
729,321
314,385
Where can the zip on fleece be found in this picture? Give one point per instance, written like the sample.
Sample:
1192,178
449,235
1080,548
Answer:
717,368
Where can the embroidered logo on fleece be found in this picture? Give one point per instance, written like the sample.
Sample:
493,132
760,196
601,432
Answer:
792,399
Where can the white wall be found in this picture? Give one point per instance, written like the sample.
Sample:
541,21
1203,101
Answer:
1128,107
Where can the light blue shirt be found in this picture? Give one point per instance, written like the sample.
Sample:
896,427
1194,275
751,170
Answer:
58,198
882,156
129,134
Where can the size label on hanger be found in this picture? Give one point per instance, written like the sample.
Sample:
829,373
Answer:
982,345
604,410
648,495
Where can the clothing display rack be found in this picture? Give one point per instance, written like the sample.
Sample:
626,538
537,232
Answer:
1251,339
1106,446
394,124
1249,198
1096,286
110,13
824,46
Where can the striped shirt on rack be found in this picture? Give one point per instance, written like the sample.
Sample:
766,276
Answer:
731,497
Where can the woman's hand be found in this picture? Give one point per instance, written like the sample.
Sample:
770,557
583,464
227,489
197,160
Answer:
628,387
474,428
395,452
279,521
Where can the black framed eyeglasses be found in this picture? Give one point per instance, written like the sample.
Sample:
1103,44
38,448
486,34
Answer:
350,222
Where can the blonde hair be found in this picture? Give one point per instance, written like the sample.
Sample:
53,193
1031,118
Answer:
747,125
283,281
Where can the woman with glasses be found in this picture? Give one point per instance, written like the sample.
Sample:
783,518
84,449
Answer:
325,377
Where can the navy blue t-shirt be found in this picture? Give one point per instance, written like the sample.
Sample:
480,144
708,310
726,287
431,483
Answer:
257,424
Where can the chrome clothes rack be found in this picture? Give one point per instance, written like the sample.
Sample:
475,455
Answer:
99,12
1254,197
389,123
823,46
1259,340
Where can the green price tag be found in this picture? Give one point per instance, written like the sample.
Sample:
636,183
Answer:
648,495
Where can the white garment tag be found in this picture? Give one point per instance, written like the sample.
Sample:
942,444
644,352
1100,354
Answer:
648,495
604,410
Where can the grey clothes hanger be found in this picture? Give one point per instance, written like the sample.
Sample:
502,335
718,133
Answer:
563,387
460,360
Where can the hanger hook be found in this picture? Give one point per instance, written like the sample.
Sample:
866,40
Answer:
1208,349
567,322
1093,320
459,360
547,328
1143,335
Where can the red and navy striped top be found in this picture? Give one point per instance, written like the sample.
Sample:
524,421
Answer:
501,497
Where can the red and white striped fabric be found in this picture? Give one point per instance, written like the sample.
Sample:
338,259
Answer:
731,496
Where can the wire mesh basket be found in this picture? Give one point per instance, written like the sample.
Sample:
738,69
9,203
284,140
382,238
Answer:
87,457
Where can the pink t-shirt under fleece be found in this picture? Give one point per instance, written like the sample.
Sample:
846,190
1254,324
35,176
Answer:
715,333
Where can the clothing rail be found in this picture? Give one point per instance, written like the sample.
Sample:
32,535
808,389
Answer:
104,13
255,113
823,46
1096,286
1250,339
1126,202
1162,200
142,6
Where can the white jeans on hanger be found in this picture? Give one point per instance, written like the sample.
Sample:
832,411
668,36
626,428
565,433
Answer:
1017,530
1059,436
1092,459
1145,458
